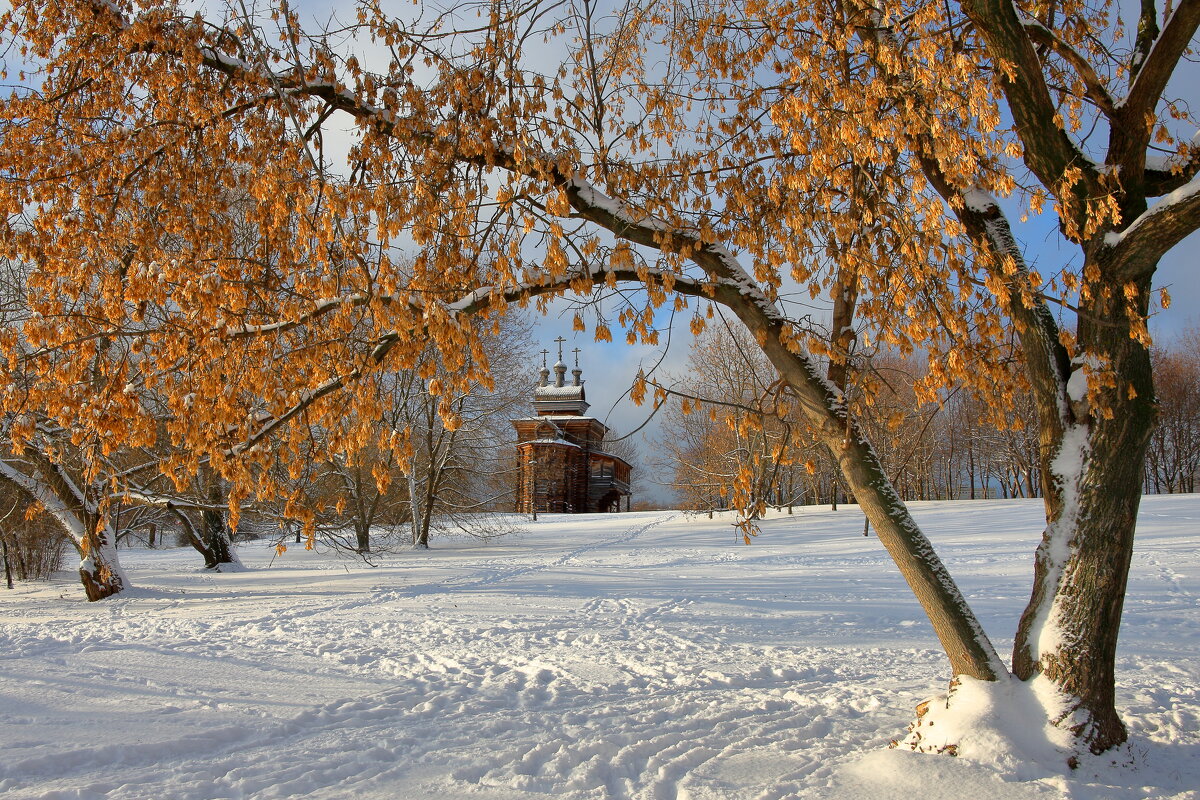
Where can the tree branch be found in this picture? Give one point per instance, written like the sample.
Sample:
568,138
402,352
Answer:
1096,92
1159,64
1049,152
1164,181
1139,247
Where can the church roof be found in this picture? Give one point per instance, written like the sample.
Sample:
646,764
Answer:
560,392
560,441
560,397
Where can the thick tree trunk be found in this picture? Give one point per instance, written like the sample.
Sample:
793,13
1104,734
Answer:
99,566
214,533
99,569
1068,632
211,540
217,549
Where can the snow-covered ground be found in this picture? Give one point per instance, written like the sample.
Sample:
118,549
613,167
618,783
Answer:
616,656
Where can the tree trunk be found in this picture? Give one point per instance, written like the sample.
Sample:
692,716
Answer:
99,569
427,511
420,530
364,511
1068,632
216,539
210,541
8,579
99,566
961,635
214,533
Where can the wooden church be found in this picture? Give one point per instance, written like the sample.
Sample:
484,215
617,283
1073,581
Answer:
562,464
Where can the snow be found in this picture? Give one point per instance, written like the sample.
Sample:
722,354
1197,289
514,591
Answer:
570,391
992,721
1077,386
979,200
1163,163
598,656
1183,194
559,441
471,298
592,197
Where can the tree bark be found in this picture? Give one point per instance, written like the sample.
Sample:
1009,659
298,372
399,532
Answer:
420,528
98,570
1068,632
99,567
362,536
213,530
216,539
211,540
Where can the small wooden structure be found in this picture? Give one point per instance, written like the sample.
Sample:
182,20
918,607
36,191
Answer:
560,452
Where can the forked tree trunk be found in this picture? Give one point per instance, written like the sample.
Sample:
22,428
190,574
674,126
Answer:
211,541
1089,544
1068,632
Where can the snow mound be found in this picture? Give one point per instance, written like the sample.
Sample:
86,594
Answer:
1003,724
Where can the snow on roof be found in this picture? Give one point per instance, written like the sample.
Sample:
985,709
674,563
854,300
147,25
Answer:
563,442
564,392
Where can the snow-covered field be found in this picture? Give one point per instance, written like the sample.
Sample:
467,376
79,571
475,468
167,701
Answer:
617,656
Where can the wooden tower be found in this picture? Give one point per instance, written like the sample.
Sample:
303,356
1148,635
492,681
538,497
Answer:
563,466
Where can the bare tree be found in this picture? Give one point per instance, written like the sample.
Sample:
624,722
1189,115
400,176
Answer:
1173,458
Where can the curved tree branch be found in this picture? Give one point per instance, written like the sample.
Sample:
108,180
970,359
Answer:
1048,151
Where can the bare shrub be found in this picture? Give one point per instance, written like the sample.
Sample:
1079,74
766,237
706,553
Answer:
31,543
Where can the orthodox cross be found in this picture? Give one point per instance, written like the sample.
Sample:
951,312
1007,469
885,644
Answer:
576,352
544,354
560,341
